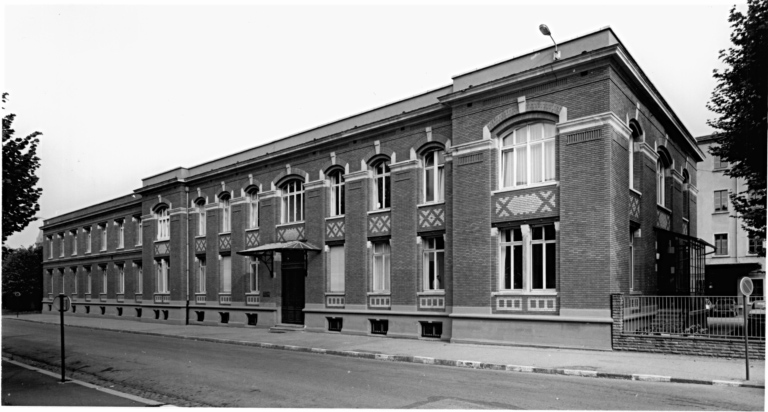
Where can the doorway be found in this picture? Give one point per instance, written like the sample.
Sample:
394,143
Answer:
293,273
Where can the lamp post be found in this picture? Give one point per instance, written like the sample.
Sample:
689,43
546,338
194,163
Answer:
545,31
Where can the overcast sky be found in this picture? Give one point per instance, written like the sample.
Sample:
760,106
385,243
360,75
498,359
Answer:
124,92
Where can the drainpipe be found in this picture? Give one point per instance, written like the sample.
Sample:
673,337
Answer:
186,250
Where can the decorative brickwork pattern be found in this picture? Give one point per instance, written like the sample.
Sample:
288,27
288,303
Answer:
431,218
542,304
287,234
200,245
509,304
379,224
429,302
662,219
526,204
334,229
584,136
634,206
379,301
252,239
225,242
163,248
334,301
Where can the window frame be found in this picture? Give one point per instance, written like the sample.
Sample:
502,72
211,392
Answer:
338,187
292,197
50,246
162,269
88,239
163,223
253,209
253,275
225,276
104,280
202,275
514,147
62,244
723,207
754,245
438,175
661,181
76,277
120,287
332,275
103,237
382,178
527,246
138,288
385,261
89,280
120,233
512,244
139,234
718,247
73,234
719,164
437,279
225,204
63,284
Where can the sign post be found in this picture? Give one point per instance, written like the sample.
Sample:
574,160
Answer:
17,295
746,288
62,305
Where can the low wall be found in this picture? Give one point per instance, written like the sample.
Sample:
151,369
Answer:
680,345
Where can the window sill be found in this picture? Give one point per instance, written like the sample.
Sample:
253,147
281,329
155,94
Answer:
531,186
163,240
228,232
335,217
442,202
380,210
720,256
337,293
548,292
298,222
252,293
382,293
252,228
634,292
635,191
720,212
664,208
431,293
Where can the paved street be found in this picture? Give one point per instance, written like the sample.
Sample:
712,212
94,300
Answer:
190,373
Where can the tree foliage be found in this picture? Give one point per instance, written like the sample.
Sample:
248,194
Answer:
741,103
23,273
20,163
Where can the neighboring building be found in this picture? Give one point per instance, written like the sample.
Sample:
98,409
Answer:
736,253
505,207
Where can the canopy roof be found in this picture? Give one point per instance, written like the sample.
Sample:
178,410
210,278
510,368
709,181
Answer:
278,247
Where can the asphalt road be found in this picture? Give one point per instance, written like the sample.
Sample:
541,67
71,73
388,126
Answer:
190,373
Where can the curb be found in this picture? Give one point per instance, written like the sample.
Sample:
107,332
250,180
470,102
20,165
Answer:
467,364
112,392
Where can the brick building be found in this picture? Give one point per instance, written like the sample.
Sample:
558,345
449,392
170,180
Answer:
504,207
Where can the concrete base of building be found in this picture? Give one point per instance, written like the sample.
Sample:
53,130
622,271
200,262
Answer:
409,325
263,317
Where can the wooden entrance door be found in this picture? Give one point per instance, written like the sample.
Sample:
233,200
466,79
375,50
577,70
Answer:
294,273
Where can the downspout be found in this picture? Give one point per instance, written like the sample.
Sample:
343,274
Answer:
186,250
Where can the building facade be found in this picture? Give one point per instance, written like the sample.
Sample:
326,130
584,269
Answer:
505,207
736,253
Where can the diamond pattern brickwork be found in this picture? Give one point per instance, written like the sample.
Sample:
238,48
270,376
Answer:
379,224
225,242
287,234
431,218
252,239
525,204
334,229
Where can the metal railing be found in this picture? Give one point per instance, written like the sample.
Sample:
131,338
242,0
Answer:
720,317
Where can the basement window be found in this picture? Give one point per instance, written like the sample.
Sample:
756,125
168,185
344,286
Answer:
200,315
253,318
431,329
335,324
379,326
224,317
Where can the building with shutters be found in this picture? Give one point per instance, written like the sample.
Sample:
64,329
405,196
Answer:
505,207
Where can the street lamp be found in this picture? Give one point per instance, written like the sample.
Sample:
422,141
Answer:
545,31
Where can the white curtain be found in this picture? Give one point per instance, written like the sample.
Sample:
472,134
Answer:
226,274
336,256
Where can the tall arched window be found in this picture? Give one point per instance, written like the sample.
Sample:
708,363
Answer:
381,192
226,212
528,155
293,201
201,220
253,208
434,176
662,164
336,177
635,137
163,223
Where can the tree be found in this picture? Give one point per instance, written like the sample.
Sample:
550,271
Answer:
20,162
22,272
740,100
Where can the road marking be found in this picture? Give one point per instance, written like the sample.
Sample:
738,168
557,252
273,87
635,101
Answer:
576,372
726,383
88,385
650,378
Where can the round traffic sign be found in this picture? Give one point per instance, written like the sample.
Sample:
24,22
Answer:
61,303
746,286
17,294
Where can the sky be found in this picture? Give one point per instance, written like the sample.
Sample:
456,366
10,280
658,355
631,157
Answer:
125,91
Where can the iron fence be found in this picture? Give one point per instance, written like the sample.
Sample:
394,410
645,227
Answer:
719,317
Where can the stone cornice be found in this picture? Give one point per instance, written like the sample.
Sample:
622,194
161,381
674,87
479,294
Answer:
405,165
359,175
475,146
595,121
316,184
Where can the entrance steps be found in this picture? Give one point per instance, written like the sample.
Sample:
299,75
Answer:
285,327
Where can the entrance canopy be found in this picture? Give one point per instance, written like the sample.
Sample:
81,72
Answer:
266,253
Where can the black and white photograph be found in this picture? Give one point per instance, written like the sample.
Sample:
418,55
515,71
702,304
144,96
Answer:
367,204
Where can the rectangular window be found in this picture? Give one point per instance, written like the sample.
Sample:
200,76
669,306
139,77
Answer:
336,268
381,183
87,231
434,263
201,275
88,281
162,267
337,193
528,155
719,163
434,176
253,274
381,252
253,210
755,245
120,234
139,230
721,244
103,237
139,283
61,273
721,200
61,245
120,287
50,247
226,215
511,259
543,251
225,274
74,242
103,279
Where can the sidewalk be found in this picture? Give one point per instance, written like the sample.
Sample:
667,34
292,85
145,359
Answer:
607,364
27,386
